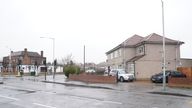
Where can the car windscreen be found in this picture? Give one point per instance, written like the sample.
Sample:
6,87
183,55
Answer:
122,72
166,73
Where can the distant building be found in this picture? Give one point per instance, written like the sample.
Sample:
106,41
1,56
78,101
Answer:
25,60
87,66
1,66
102,65
142,56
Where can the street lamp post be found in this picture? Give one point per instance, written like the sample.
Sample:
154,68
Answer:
84,58
53,39
10,61
163,30
124,65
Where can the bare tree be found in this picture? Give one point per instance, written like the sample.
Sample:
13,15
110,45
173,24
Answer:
67,60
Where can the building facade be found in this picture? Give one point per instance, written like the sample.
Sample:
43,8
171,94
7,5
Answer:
1,66
23,60
142,56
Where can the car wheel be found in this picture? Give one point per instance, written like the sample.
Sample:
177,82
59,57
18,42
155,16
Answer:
121,79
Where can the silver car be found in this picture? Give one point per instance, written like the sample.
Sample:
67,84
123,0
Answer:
122,75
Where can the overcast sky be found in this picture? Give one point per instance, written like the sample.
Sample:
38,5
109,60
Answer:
100,25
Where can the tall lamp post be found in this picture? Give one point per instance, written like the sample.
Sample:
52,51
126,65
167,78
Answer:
124,65
10,61
84,58
53,39
163,30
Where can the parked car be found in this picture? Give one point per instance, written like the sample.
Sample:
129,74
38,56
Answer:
90,71
158,78
122,75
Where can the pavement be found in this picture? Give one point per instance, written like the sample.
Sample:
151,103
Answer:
142,86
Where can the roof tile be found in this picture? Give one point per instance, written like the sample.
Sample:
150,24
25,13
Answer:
135,39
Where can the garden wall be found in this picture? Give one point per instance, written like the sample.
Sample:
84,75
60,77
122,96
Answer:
180,82
91,78
186,70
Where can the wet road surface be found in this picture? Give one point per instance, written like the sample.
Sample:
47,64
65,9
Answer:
22,93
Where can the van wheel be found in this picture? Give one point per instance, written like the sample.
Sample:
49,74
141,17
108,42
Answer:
121,79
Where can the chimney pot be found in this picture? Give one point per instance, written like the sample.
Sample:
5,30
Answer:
41,53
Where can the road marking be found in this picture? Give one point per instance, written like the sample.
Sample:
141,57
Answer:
113,102
43,105
190,102
48,92
16,99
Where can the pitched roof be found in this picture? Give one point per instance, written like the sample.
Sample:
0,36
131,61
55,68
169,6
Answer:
135,39
155,38
34,54
18,53
130,42
21,53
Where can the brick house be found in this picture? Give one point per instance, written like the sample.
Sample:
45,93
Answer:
142,56
26,59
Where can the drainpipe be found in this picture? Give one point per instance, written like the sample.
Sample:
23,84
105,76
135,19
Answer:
134,70
176,55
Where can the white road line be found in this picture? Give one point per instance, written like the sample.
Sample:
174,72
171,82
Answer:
190,102
38,104
16,99
48,92
113,102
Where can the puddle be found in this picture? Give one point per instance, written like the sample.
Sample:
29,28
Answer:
21,90
171,94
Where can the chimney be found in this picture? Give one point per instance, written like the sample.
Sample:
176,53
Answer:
41,53
25,49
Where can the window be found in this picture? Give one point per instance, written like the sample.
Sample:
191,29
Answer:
119,53
140,50
116,54
113,54
109,56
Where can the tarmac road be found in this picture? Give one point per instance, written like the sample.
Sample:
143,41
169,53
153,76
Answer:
31,92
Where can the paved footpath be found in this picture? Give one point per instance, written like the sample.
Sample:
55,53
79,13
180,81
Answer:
143,86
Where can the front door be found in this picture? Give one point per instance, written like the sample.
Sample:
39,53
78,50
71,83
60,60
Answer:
131,68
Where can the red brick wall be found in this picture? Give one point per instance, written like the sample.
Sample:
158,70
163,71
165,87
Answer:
180,82
186,70
93,78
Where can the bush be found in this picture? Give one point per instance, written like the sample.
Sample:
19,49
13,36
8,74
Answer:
71,69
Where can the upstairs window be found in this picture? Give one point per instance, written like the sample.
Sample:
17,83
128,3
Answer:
140,50
119,53
109,56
